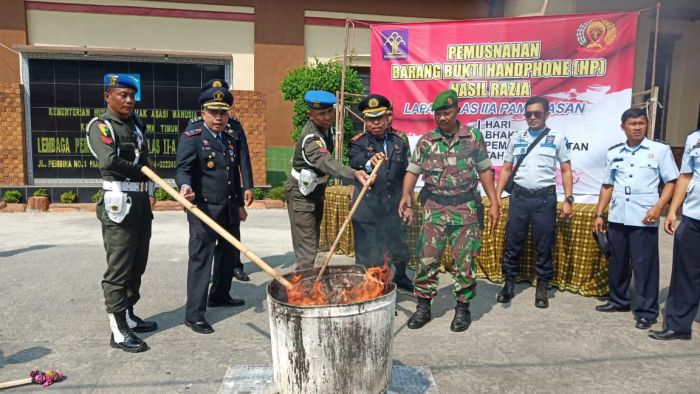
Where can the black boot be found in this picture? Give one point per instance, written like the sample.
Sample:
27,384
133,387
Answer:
403,284
122,337
506,293
541,300
422,314
136,324
462,319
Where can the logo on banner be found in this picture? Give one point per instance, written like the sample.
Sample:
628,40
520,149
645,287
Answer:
596,33
395,45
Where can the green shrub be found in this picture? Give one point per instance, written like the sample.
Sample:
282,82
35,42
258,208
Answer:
12,196
319,76
276,193
258,193
68,197
40,193
162,195
97,196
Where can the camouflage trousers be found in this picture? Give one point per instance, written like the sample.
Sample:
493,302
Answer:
465,243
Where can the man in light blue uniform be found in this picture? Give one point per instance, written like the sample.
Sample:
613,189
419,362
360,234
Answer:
684,292
534,196
633,170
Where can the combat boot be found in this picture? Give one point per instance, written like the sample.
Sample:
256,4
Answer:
122,336
506,293
462,319
541,300
136,324
421,316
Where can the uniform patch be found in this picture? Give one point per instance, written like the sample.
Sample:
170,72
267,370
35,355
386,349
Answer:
192,133
323,150
697,144
107,140
357,137
103,129
651,155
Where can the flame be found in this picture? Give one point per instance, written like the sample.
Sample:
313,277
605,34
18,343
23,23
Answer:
299,294
372,286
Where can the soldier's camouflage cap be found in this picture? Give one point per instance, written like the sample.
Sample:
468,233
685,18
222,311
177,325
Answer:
446,99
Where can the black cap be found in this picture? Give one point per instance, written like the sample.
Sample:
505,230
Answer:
216,98
374,105
214,83
601,238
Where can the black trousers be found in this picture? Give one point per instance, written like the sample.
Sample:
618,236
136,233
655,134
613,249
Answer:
684,291
204,246
641,245
540,210
374,241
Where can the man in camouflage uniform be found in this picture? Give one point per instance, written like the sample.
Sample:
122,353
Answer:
312,163
452,159
119,145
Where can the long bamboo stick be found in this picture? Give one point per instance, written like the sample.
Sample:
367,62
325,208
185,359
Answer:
216,227
375,171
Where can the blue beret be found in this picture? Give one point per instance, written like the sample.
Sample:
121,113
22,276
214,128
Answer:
319,99
121,81
216,98
215,83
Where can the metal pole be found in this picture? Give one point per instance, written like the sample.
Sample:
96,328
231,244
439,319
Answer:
340,126
655,89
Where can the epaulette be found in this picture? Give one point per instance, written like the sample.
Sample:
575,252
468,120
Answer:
195,119
192,133
616,145
661,142
400,134
358,136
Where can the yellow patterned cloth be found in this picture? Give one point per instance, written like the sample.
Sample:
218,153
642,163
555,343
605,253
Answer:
579,266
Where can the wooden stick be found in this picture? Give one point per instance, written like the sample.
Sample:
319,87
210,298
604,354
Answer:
216,227
15,383
375,171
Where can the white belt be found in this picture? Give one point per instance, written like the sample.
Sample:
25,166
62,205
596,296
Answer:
319,180
125,186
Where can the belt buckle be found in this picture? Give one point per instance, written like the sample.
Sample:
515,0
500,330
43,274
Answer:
628,190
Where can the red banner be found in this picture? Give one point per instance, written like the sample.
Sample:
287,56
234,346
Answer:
584,65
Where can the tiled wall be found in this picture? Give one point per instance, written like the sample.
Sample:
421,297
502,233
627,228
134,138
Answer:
12,147
249,108
278,164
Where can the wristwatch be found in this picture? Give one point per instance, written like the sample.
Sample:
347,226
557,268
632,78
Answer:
598,215
569,199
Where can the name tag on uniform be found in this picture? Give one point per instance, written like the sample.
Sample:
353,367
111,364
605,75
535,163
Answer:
548,142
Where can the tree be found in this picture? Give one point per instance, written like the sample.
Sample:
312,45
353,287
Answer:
318,76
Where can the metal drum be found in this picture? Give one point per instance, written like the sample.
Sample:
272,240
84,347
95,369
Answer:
332,348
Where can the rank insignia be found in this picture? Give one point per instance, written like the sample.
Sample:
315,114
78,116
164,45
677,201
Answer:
370,148
651,155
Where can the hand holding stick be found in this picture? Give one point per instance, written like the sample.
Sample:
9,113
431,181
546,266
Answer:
375,171
216,227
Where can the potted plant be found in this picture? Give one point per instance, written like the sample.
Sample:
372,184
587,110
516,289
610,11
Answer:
275,198
12,199
68,197
164,201
39,201
258,198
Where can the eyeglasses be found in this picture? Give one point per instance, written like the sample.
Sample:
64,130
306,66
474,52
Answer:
537,114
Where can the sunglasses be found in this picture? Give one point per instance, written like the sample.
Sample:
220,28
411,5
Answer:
536,114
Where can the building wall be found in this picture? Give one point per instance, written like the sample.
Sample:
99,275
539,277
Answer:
13,30
684,100
12,144
51,27
247,109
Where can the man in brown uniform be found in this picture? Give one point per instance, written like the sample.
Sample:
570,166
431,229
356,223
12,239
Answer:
312,163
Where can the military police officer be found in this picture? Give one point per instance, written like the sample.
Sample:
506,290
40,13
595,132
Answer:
633,170
452,159
124,210
378,228
533,155
244,166
684,291
207,173
312,163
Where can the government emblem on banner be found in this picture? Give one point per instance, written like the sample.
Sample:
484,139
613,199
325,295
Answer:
395,44
596,33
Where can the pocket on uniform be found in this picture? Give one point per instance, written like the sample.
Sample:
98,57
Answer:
301,205
547,157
